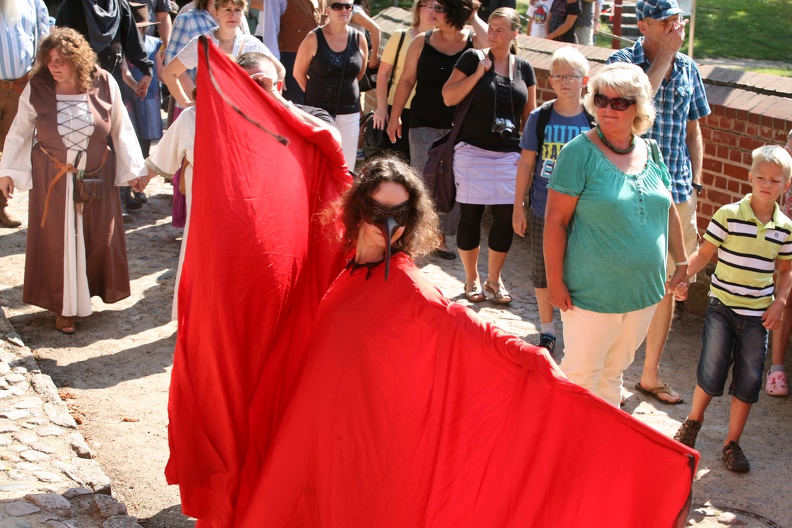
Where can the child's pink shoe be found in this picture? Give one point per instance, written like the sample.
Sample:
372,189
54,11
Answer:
776,384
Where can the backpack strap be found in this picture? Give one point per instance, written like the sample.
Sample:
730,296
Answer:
427,36
545,111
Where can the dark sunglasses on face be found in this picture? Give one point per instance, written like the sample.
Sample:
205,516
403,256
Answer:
620,104
439,9
338,6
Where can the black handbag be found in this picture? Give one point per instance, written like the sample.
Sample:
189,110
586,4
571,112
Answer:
439,170
374,138
369,80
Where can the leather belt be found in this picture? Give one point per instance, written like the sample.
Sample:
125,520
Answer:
14,85
63,169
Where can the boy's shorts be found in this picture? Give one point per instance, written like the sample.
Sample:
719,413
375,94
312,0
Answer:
538,273
730,338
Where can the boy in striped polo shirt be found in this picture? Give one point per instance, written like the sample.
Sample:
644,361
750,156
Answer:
750,236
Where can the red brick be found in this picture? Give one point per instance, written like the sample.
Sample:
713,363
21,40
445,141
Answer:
720,183
707,210
747,159
723,153
717,197
752,129
706,134
748,143
725,138
739,126
742,115
735,171
754,118
707,177
734,186
713,165
735,155
710,149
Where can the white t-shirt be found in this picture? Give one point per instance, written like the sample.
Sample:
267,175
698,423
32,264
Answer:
538,15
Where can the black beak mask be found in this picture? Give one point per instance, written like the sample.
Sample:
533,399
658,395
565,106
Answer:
388,218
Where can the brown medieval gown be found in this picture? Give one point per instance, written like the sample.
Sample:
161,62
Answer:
80,251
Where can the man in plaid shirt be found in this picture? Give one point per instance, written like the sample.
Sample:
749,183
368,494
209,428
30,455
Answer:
680,101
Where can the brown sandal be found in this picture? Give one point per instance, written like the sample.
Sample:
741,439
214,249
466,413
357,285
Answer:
64,324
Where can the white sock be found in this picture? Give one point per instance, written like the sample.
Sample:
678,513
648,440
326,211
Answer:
774,368
549,328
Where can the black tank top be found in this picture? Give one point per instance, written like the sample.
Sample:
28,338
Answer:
434,68
327,75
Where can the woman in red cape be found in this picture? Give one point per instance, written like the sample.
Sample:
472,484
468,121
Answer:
410,411
383,405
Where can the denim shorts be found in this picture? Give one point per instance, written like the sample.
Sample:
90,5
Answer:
732,339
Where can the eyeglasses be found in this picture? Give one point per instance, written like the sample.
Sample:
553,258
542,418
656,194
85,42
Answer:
620,104
338,6
437,8
566,78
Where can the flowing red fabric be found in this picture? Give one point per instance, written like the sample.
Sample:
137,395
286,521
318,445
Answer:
256,265
413,412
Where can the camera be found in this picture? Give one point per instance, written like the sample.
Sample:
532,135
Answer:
503,127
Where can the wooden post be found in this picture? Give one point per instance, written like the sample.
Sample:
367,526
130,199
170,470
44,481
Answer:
617,20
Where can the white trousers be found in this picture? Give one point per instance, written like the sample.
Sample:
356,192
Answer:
349,126
598,348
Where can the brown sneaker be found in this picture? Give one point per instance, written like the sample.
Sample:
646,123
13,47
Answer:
735,458
687,433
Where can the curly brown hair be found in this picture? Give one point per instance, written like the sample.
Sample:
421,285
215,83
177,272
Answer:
74,49
421,231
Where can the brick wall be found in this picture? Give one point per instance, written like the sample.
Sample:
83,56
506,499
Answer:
748,110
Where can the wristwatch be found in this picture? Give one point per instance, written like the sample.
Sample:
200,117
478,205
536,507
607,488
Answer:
698,187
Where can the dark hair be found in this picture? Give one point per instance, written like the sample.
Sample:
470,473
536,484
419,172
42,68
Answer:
458,11
74,49
421,231
364,4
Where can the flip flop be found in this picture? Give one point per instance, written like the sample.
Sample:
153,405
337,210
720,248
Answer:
473,292
444,254
654,391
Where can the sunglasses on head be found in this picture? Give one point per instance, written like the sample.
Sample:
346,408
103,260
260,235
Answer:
338,6
620,104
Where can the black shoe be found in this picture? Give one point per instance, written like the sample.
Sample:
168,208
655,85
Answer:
687,433
139,197
126,199
735,458
125,216
547,341
444,254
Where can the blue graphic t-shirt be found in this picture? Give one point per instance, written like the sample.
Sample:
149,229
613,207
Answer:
559,131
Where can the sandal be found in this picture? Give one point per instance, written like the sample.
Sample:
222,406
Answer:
473,292
64,324
654,392
499,295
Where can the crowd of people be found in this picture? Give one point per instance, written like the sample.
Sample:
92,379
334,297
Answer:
608,172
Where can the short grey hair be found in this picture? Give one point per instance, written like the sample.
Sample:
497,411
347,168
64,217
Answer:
774,154
252,59
627,80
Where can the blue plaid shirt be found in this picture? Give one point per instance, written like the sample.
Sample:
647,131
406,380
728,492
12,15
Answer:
18,44
186,27
683,95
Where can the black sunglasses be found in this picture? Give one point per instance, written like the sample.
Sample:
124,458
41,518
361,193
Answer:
439,9
338,6
620,104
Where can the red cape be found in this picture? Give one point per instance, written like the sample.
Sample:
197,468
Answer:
256,266
413,412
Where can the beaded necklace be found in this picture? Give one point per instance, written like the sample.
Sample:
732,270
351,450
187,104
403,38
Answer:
614,148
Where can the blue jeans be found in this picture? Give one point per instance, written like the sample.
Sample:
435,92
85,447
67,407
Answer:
729,338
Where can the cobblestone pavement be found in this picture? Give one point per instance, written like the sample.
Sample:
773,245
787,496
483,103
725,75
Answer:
113,374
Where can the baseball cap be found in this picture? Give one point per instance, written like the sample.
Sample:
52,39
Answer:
657,9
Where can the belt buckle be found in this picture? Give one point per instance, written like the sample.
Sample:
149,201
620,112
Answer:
6,86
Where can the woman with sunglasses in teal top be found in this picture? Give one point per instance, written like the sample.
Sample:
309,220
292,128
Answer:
329,63
610,224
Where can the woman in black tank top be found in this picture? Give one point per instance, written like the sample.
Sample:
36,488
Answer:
429,63
328,66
